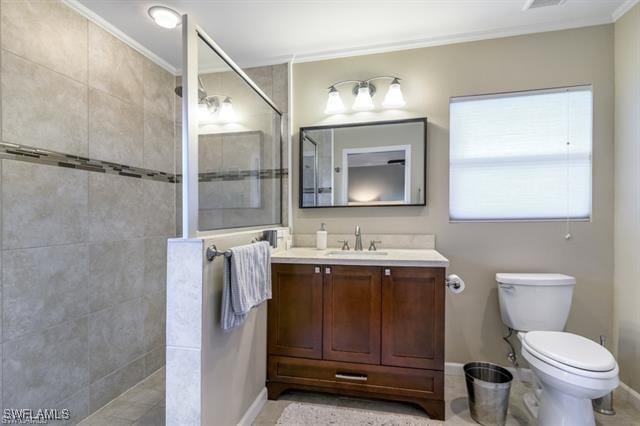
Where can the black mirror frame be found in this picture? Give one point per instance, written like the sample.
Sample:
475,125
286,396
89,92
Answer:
362,124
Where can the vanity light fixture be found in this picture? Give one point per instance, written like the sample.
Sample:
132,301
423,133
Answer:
363,101
394,97
334,102
212,108
164,17
364,90
227,113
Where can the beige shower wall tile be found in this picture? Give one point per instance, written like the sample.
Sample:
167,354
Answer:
210,153
116,129
44,368
114,67
116,209
158,143
159,202
116,337
116,273
43,287
42,108
43,205
159,88
48,33
281,87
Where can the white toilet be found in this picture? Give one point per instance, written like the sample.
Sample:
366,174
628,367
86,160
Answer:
572,370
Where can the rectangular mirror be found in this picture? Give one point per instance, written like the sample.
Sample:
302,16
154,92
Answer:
365,164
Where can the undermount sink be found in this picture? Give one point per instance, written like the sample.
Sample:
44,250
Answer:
356,253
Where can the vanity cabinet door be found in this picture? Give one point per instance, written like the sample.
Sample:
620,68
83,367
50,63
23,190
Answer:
413,317
352,301
295,311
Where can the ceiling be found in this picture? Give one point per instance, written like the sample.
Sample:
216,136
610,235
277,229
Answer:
260,32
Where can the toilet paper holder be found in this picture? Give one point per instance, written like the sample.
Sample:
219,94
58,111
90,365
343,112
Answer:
453,283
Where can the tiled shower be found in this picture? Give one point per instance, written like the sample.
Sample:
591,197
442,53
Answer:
90,193
84,222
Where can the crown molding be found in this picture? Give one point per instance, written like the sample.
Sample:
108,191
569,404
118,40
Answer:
104,24
622,9
450,39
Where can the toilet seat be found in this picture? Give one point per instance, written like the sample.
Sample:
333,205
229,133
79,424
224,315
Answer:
571,353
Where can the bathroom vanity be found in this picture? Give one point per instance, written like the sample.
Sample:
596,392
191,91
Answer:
367,324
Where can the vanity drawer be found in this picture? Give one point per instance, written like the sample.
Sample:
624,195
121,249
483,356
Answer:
344,375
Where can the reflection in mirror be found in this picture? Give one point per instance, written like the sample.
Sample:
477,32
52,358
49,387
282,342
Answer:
239,146
371,164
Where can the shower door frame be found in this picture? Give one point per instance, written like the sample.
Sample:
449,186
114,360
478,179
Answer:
191,33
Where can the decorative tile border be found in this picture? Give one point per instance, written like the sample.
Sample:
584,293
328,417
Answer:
29,154
240,175
321,190
42,156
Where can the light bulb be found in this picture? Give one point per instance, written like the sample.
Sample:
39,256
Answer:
164,17
363,100
394,97
227,114
204,113
334,102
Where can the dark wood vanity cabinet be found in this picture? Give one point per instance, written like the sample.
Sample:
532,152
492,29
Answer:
351,321
358,330
295,311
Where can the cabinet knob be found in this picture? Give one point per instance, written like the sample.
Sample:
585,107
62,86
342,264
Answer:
327,271
387,272
317,270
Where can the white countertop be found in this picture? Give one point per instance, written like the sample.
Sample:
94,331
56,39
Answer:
392,257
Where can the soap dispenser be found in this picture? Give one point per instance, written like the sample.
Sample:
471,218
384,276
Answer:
321,238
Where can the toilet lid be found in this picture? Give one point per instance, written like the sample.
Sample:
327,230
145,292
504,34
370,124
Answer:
570,349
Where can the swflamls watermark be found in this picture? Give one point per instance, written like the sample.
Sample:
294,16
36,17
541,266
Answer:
27,416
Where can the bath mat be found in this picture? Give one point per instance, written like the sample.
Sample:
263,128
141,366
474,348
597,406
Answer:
320,415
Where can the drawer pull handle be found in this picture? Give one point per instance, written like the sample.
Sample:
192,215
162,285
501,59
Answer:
358,377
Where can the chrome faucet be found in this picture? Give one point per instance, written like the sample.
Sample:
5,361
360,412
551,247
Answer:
358,246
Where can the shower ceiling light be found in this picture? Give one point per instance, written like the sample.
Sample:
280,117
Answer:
364,91
164,17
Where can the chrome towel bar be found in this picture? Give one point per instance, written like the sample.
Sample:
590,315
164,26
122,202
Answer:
213,252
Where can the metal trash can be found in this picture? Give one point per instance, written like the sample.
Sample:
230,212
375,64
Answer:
488,387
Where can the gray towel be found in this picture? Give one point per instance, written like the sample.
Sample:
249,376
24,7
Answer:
246,282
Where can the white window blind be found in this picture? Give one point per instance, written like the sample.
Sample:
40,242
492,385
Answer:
521,156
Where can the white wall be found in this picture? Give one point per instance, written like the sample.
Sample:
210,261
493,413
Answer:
627,196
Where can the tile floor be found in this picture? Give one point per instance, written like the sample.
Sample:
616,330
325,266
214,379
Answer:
141,405
457,409
144,405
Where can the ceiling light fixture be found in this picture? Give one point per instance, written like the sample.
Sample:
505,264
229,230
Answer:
164,17
363,90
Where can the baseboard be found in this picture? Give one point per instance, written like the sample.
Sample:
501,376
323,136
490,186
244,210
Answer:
520,374
254,409
628,394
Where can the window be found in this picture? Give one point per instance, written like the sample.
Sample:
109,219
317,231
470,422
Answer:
521,156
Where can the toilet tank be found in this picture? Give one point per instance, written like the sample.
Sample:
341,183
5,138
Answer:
531,302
